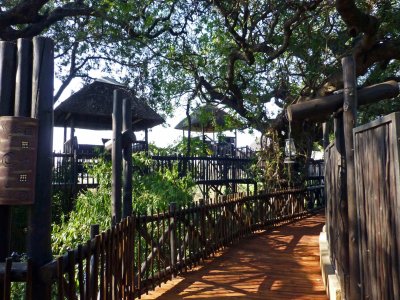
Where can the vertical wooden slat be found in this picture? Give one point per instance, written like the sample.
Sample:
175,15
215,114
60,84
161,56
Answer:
349,121
139,260
39,236
192,250
151,251
196,228
127,158
118,261
71,275
7,279
180,237
60,278
94,272
341,213
184,238
116,157
23,86
7,85
81,281
163,246
114,263
28,290
133,244
172,240
88,287
157,263
109,253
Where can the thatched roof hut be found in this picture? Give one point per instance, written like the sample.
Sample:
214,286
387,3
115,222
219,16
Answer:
210,118
91,108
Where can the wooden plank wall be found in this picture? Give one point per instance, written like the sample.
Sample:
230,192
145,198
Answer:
335,227
377,177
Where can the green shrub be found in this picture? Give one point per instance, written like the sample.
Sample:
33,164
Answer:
151,191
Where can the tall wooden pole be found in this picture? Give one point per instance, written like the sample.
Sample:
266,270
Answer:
127,154
349,122
146,140
7,59
343,231
39,236
116,157
325,135
23,79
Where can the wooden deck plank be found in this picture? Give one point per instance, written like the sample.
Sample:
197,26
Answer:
280,263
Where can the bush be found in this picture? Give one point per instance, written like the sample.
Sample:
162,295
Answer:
151,191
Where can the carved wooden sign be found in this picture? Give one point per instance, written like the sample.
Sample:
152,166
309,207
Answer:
18,151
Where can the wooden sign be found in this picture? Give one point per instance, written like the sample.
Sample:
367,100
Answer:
18,154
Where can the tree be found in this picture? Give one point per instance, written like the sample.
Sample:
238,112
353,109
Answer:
241,54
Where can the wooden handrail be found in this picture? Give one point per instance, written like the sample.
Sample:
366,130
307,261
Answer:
135,255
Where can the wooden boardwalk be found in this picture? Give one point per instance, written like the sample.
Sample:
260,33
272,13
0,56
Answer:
280,263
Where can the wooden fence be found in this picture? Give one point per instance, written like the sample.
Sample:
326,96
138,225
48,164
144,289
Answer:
70,171
142,252
376,147
376,152
336,211
208,169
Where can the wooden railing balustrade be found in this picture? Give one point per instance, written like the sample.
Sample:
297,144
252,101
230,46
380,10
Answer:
71,170
143,251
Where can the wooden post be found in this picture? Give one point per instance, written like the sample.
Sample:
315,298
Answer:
72,136
203,237
127,164
146,140
325,134
343,231
7,59
39,237
116,157
23,79
94,230
349,121
172,241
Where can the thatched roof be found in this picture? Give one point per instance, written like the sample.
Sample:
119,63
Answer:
210,118
91,108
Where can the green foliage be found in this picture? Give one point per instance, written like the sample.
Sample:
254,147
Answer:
197,148
151,191
156,190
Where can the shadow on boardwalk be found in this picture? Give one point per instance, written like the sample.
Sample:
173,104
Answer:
280,263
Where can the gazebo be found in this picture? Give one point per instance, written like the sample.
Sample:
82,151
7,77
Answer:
211,119
91,108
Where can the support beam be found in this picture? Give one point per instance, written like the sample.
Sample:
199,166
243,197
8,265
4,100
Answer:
23,86
349,122
320,109
325,134
39,235
342,259
116,157
127,157
7,59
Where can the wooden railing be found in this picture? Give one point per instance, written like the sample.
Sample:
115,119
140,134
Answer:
70,171
141,252
208,169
